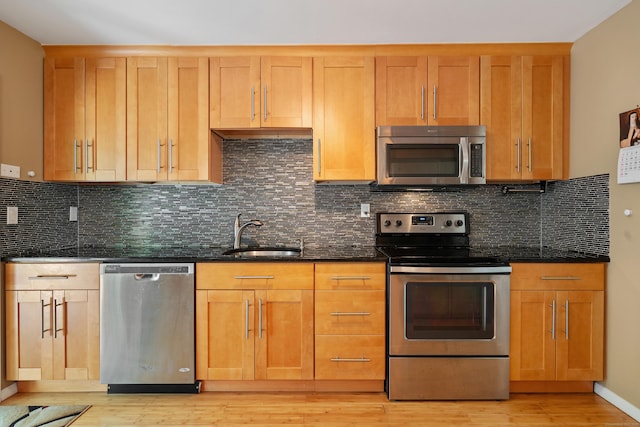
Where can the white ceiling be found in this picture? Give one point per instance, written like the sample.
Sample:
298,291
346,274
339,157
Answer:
294,22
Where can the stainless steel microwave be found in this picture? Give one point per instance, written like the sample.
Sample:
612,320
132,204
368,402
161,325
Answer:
431,155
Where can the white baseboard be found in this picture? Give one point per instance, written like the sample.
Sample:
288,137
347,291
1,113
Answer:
6,393
617,401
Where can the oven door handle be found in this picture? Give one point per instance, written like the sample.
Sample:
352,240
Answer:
497,269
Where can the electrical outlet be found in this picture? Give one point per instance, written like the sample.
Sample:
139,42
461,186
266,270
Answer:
12,214
9,171
365,210
73,213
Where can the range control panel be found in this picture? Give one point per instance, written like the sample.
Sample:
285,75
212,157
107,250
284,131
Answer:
423,223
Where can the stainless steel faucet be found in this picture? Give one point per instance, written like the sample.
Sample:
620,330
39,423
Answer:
238,228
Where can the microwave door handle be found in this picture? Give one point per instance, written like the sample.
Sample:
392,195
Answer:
464,164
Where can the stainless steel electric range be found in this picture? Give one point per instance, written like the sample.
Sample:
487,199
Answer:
448,310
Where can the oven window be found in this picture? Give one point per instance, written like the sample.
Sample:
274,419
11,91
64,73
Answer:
423,160
449,310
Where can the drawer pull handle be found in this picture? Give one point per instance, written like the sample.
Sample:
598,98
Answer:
253,277
340,359
342,313
351,278
561,278
52,277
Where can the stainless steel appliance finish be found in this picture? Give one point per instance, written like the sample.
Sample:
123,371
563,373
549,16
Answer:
147,322
431,155
448,330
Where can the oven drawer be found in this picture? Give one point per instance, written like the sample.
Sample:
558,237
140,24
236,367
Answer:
347,357
350,312
351,276
448,378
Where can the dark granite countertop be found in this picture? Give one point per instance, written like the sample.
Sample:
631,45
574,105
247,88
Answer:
310,254
187,254
540,254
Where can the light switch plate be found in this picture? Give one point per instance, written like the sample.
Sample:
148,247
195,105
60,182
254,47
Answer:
12,214
9,171
73,213
365,210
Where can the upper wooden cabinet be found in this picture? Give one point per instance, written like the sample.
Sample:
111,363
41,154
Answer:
254,92
85,119
434,90
343,119
523,104
167,119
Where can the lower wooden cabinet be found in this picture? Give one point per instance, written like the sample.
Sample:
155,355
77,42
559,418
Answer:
254,321
557,323
52,321
350,321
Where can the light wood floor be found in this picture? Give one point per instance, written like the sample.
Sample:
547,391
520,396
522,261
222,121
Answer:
332,410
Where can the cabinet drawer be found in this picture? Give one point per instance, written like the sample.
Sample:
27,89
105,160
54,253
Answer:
561,276
350,312
346,357
52,276
250,275
355,275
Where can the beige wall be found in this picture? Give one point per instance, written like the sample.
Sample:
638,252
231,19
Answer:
21,124
605,81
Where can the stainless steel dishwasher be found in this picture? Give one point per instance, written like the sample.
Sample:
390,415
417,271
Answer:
147,328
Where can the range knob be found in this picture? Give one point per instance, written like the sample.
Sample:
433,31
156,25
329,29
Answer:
448,223
398,223
387,223
459,223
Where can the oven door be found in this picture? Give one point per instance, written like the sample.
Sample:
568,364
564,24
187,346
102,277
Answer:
453,313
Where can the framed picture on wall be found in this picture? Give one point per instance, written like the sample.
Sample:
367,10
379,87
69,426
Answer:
629,155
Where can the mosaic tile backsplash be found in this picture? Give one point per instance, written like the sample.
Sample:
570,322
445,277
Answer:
272,181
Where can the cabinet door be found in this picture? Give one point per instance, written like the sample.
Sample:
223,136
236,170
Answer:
454,90
532,341
147,119
284,335
401,90
286,91
501,113
225,335
234,92
580,341
76,335
64,114
343,122
188,119
29,355
104,147
542,120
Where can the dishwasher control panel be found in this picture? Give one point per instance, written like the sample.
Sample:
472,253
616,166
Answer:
151,268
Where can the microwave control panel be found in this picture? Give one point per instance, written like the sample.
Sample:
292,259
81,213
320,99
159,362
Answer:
476,154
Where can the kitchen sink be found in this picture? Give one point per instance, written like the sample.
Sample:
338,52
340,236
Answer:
272,252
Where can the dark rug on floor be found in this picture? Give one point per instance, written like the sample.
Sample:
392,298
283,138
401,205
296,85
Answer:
40,416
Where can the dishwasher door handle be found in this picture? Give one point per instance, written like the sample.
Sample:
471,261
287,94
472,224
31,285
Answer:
147,276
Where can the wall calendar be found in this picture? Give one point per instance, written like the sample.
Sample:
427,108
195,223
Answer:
629,155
